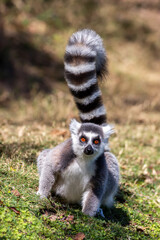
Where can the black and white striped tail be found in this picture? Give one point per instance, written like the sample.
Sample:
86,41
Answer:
85,61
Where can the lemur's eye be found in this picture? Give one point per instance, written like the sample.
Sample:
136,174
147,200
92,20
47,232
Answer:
83,139
96,141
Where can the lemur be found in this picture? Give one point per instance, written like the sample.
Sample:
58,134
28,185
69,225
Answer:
82,169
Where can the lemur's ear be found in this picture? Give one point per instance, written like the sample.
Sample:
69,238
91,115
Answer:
108,130
74,126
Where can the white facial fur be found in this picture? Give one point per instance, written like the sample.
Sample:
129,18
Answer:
78,147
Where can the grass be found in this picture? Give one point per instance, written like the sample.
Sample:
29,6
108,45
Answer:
36,109
24,216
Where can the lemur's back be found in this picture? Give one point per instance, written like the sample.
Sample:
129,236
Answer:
85,61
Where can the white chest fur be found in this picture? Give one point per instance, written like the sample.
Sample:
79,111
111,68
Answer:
74,181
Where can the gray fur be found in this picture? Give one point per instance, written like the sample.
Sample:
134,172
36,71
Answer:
95,43
90,180
91,127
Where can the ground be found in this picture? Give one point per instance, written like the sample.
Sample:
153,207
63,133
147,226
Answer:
36,109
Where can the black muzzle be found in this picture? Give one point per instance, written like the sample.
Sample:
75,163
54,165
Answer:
88,150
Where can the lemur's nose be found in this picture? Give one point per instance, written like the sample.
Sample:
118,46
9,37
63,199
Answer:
88,150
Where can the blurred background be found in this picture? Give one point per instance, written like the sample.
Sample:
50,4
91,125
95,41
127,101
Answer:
33,36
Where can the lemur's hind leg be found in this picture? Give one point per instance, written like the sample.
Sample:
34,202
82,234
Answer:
108,201
113,180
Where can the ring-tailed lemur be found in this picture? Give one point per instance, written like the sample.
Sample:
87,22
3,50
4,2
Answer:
80,169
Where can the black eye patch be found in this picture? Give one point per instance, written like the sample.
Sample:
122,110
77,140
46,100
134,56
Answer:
83,139
96,141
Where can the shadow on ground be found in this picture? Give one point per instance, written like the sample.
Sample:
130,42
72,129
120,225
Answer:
24,67
28,151
117,215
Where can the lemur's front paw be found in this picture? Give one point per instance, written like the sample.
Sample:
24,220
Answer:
89,212
40,194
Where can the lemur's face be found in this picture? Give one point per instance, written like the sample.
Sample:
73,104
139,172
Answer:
88,139
90,142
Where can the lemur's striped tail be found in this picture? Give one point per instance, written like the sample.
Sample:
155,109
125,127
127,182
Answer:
85,61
